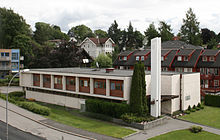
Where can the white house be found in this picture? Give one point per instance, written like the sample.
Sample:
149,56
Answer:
96,46
72,86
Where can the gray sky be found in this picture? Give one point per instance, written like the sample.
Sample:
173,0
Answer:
99,14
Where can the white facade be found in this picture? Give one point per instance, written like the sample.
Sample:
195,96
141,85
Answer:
172,84
94,49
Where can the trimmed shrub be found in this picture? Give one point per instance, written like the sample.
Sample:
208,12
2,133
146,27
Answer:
197,108
195,129
189,108
212,100
199,105
106,108
187,112
36,108
129,118
16,94
194,107
193,110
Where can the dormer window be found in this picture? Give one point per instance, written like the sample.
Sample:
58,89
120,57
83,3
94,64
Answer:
162,58
179,58
120,58
137,58
125,58
185,58
142,58
204,58
211,58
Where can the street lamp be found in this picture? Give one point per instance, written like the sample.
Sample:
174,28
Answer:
25,70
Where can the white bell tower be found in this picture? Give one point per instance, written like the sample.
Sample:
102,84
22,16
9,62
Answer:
156,76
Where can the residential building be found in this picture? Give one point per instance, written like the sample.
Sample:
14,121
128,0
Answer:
180,57
9,61
72,86
96,46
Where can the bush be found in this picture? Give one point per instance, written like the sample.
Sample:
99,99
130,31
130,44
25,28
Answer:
187,112
129,118
36,108
197,108
194,107
193,110
195,129
16,94
106,108
199,105
189,108
212,100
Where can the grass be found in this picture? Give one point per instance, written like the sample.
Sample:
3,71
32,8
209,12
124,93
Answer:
61,115
187,135
209,116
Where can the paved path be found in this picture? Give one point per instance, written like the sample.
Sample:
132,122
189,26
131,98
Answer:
3,89
27,125
16,134
171,125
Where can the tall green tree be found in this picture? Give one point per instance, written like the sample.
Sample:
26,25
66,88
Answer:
143,83
151,33
207,35
45,32
114,32
165,31
190,31
212,44
11,25
104,61
136,101
100,33
80,32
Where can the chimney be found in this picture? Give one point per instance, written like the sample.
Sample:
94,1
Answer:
108,70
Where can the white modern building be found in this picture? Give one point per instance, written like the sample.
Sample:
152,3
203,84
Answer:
72,86
96,46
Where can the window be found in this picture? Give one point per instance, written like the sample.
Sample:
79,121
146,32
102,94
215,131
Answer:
202,71
142,58
179,58
14,56
57,80
211,58
162,58
187,98
211,71
46,79
14,65
36,77
84,83
116,85
120,58
2,54
206,71
204,58
216,71
189,69
206,83
137,58
125,58
99,84
216,83
70,81
7,54
164,69
185,58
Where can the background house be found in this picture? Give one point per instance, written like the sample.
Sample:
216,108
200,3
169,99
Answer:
96,46
9,61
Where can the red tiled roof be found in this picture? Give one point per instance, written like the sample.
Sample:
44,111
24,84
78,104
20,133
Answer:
99,41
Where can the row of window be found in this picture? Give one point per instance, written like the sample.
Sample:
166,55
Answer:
182,58
70,81
139,57
208,71
207,83
210,58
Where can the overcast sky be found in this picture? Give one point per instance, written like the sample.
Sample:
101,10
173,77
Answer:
99,14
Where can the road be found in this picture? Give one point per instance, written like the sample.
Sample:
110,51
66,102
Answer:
16,134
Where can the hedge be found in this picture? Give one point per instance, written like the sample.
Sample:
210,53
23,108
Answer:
36,108
212,100
106,108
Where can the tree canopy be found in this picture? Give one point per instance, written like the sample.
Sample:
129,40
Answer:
190,31
151,33
80,32
104,61
165,31
100,33
11,25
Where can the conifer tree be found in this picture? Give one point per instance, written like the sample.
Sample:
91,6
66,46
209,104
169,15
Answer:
144,99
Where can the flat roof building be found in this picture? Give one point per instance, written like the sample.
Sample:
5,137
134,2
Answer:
72,86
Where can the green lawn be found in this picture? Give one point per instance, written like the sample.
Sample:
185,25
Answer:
59,114
208,116
187,135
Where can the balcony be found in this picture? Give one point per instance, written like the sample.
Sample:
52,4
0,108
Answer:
5,58
5,67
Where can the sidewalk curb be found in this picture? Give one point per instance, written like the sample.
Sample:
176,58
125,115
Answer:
197,124
46,125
